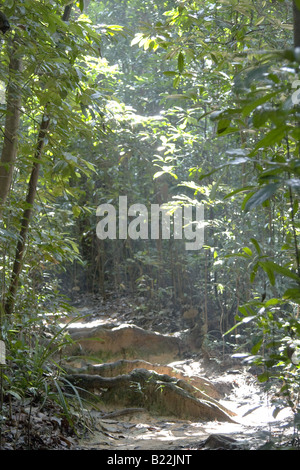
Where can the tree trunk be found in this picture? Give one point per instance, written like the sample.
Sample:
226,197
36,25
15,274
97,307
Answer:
10,300
12,124
296,25
32,187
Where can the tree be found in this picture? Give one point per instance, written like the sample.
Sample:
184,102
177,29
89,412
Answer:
49,87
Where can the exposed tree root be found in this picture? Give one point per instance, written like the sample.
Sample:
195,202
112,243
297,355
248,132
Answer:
124,366
155,392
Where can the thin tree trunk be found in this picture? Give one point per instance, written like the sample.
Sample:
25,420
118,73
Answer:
296,25
32,187
12,124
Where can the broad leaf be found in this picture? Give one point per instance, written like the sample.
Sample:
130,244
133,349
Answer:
261,196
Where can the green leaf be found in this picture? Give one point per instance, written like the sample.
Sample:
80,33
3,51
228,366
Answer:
256,244
293,294
242,322
180,62
253,273
223,124
176,82
270,273
14,394
248,251
254,104
261,196
272,302
257,347
264,377
170,73
270,266
215,187
274,136
237,191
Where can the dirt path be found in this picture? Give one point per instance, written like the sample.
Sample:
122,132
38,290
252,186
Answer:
139,430
253,426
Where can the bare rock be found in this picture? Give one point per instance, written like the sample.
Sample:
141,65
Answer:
220,442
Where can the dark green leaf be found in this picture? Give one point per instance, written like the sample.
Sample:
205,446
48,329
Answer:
261,196
257,347
180,62
256,244
270,266
274,136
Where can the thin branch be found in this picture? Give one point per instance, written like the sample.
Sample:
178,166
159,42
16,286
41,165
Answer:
293,216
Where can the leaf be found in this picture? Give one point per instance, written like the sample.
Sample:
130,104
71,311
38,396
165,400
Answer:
248,251
256,347
253,273
272,302
264,377
136,39
270,266
215,187
237,191
160,173
228,130
180,62
223,124
170,73
261,196
9,3
255,243
176,82
293,294
254,104
248,319
242,322
272,137
81,5
14,394
270,273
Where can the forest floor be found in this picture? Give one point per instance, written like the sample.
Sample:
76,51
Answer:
122,428
254,426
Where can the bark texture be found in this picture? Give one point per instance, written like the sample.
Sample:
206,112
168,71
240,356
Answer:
12,124
296,25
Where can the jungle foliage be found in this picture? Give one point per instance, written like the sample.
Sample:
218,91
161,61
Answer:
165,102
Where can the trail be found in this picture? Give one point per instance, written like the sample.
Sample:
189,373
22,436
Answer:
254,425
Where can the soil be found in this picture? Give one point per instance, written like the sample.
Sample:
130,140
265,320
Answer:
254,426
133,428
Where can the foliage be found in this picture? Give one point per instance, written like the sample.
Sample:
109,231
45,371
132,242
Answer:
258,122
34,376
175,103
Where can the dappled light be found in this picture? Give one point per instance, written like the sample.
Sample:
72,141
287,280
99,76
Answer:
149,225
